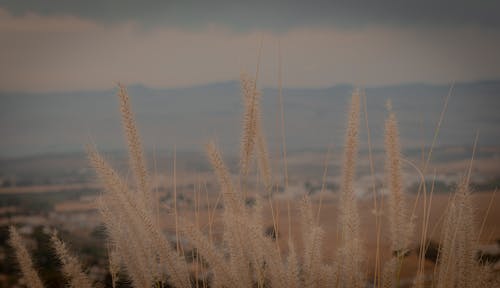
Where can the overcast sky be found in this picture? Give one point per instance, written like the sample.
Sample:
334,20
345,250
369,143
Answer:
61,45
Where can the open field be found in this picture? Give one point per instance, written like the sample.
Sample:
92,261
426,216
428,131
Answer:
328,221
46,188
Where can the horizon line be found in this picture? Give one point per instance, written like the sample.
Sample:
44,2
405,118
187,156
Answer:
266,87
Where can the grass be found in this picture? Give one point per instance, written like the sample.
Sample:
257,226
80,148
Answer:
139,251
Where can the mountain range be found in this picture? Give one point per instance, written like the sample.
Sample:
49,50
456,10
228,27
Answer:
39,123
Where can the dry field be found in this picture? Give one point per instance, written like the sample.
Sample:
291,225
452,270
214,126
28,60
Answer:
201,213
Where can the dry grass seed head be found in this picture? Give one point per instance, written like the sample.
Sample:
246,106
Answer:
71,267
136,157
457,263
144,232
350,253
251,114
232,201
23,258
222,273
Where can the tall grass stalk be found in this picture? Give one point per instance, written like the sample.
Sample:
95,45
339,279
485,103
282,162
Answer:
400,226
350,253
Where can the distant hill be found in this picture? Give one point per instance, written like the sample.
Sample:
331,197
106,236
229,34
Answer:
188,117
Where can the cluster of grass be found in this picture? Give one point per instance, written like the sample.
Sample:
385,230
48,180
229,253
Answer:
139,251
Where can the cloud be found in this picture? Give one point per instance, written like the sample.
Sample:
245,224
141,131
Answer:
48,53
277,15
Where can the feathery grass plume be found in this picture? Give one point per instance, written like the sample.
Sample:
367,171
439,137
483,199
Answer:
126,244
143,231
223,275
149,235
267,259
253,138
118,206
400,226
312,261
112,225
70,265
132,261
252,132
390,273
233,211
138,210
238,248
114,264
292,271
137,164
136,157
232,201
257,212
350,252
457,265
312,236
251,113
255,218
314,272
262,253
23,258
248,248
306,217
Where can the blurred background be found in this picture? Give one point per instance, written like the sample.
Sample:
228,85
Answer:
181,60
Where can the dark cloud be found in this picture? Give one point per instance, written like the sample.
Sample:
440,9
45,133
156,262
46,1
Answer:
272,15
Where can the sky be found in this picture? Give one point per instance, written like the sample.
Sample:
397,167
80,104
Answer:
69,45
